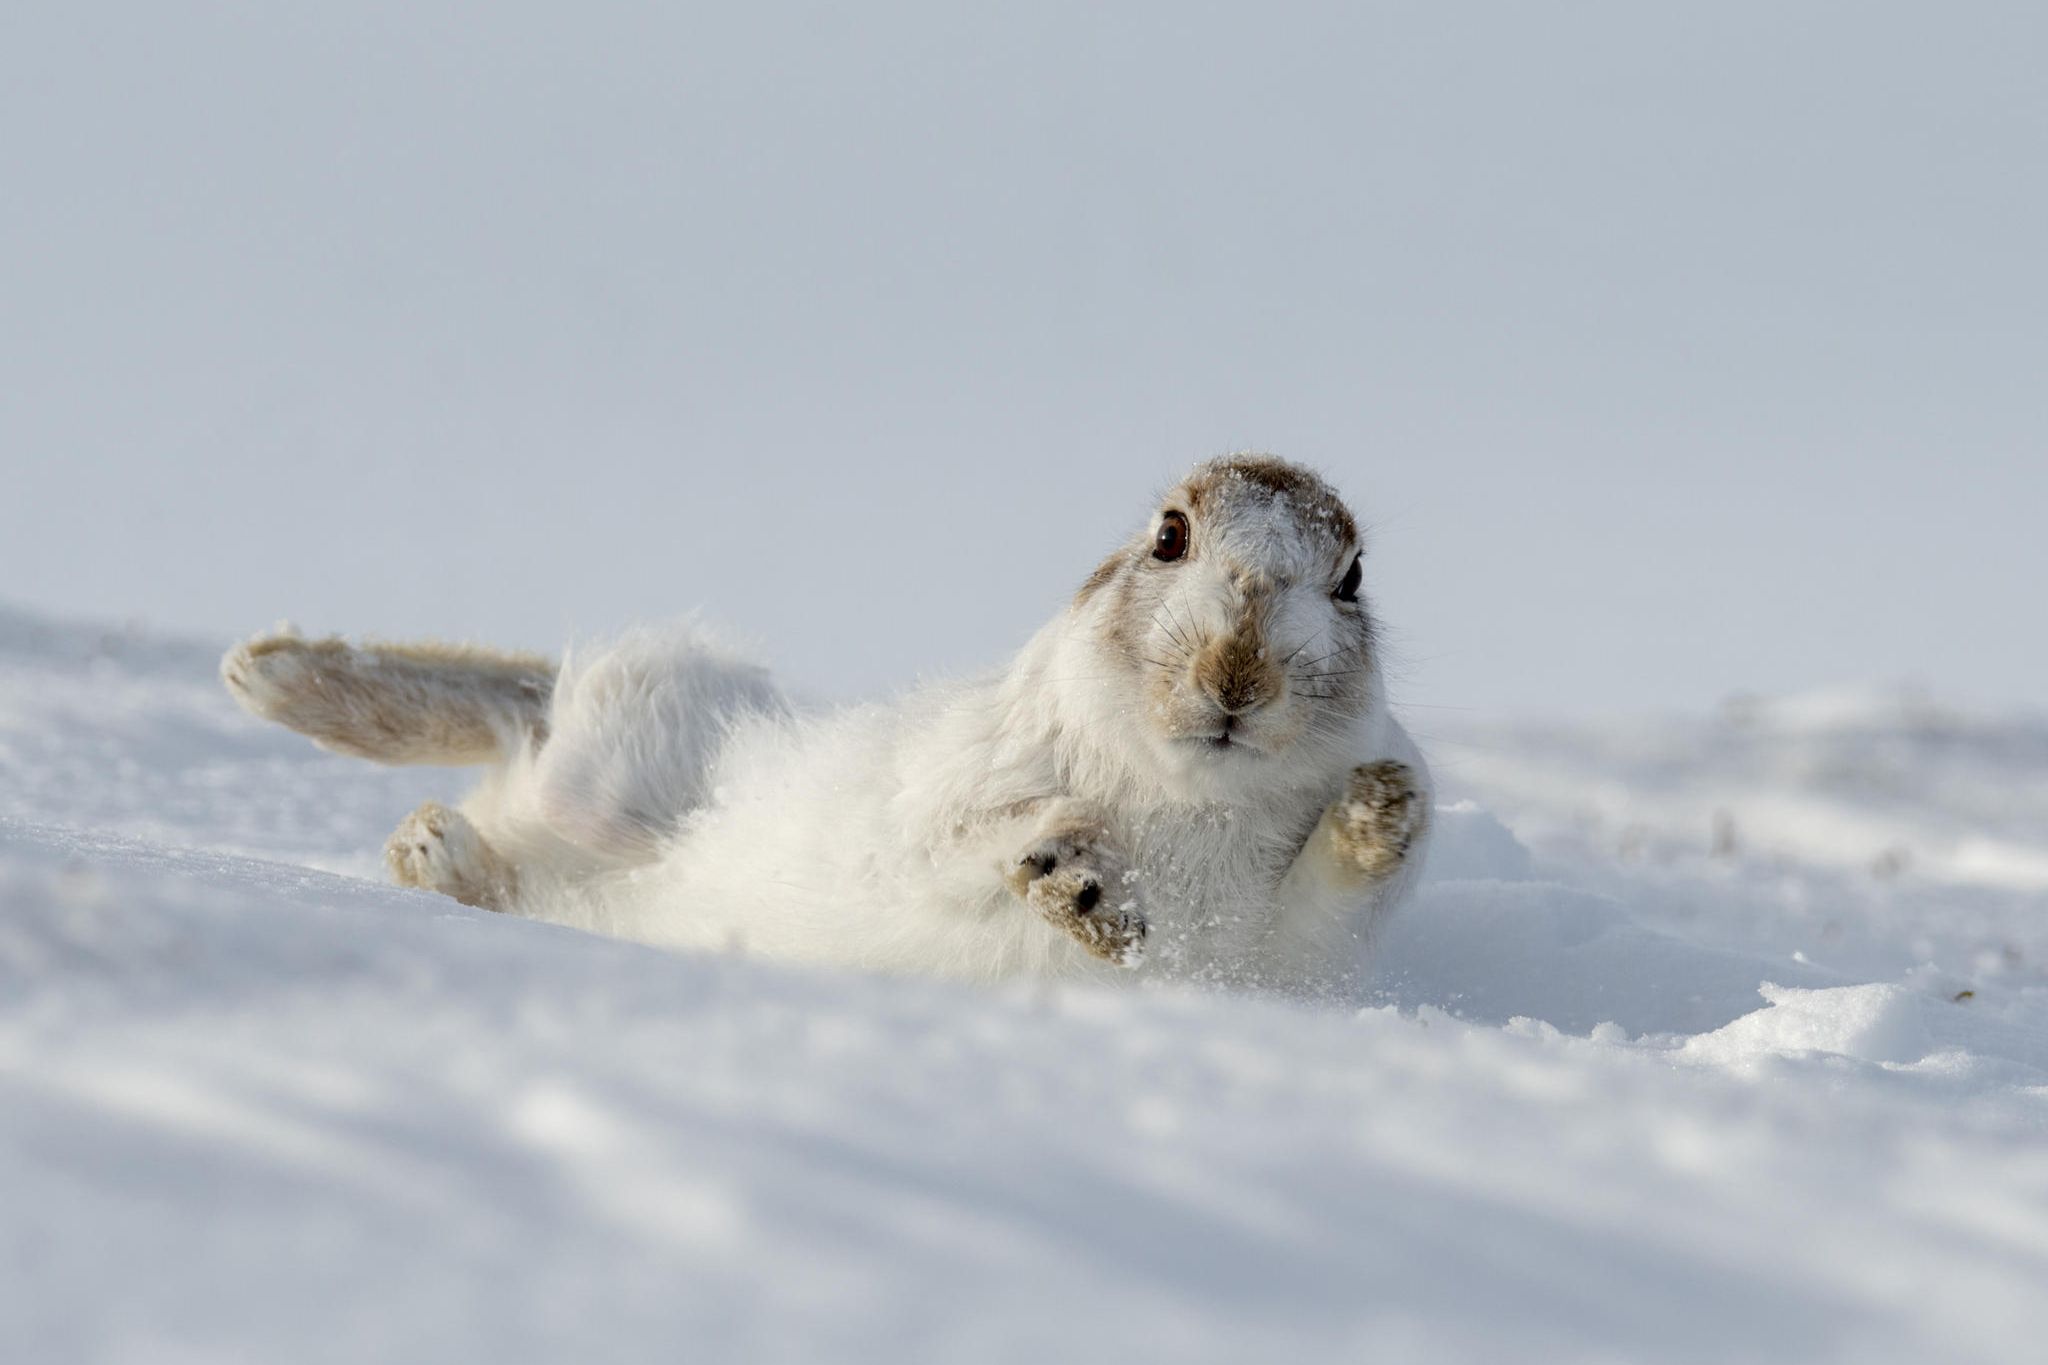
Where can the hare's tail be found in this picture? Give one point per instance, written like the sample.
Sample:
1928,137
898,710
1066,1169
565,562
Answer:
395,703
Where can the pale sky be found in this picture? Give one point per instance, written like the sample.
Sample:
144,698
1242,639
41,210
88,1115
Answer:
1669,353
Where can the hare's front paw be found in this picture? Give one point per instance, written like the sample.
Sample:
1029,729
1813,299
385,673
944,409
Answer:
1379,816
1080,884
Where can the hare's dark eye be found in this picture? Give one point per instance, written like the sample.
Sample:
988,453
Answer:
1172,541
1347,591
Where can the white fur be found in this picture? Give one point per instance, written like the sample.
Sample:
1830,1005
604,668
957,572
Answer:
858,836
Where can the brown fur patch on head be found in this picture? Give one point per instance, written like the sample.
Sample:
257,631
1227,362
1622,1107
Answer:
1110,590
1275,477
1104,571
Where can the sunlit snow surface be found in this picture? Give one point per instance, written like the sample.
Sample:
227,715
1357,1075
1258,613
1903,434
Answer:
1736,1049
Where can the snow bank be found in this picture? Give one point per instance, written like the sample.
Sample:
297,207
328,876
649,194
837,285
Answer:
252,1110
258,1113
1494,951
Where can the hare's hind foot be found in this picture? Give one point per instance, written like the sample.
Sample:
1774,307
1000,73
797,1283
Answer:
440,850
394,703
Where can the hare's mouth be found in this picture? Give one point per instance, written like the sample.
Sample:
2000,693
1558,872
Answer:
1225,739
1221,736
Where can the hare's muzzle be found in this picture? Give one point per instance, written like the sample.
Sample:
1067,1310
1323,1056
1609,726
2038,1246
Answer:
1235,672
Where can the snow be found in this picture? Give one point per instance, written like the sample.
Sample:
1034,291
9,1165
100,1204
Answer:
1705,1041
1880,1022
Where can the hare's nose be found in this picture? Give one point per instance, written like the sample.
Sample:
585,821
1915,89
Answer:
1234,705
1240,695
1237,676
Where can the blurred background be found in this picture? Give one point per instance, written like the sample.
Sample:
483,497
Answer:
1669,352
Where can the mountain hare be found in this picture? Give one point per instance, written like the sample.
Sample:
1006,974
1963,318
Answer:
1191,770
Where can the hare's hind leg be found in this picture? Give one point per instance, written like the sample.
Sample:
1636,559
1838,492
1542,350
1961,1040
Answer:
635,730
395,703
440,850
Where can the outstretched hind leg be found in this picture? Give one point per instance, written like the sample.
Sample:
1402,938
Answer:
440,850
395,703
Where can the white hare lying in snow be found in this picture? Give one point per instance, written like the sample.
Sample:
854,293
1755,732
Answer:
1192,769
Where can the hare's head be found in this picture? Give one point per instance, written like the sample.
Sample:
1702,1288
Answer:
1233,626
